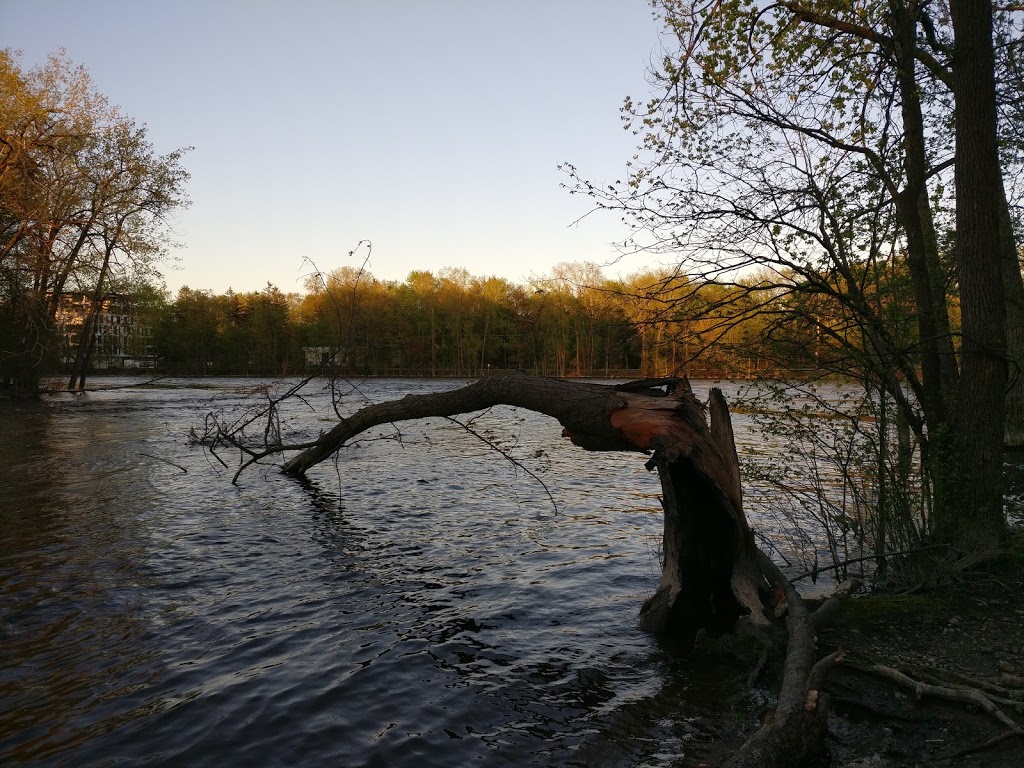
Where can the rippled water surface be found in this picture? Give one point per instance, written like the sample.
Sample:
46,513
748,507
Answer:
420,602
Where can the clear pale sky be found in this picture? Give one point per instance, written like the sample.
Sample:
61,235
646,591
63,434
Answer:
431,128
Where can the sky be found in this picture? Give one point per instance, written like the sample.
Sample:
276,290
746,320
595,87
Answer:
433,129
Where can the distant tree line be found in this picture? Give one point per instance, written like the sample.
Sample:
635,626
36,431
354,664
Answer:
572,322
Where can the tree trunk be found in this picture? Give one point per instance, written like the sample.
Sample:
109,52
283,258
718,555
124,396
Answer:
928,279
1014,287
977,522
710,576
699,588
35,349
87,339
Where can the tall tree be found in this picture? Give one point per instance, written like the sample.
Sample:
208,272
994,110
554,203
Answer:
134,190
980,268
1009,48
424,287
74,175
812,139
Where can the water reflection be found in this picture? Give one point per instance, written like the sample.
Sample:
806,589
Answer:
72,581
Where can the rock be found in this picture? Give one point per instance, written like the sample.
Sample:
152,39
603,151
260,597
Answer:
874,761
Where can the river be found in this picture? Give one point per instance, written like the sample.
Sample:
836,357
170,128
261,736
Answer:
420,602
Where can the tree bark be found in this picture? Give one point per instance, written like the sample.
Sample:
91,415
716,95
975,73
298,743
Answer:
977,523
35,348
1014,288
710,576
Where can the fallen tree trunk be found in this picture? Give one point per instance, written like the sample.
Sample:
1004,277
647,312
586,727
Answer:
712,571
710,576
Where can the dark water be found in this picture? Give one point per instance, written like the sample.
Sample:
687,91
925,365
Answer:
418,603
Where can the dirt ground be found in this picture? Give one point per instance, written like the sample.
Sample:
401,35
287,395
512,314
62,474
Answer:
967,633
964,635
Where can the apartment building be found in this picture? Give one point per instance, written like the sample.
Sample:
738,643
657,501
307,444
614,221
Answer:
121,340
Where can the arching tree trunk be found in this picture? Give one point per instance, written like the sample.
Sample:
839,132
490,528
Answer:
710,576
712,571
